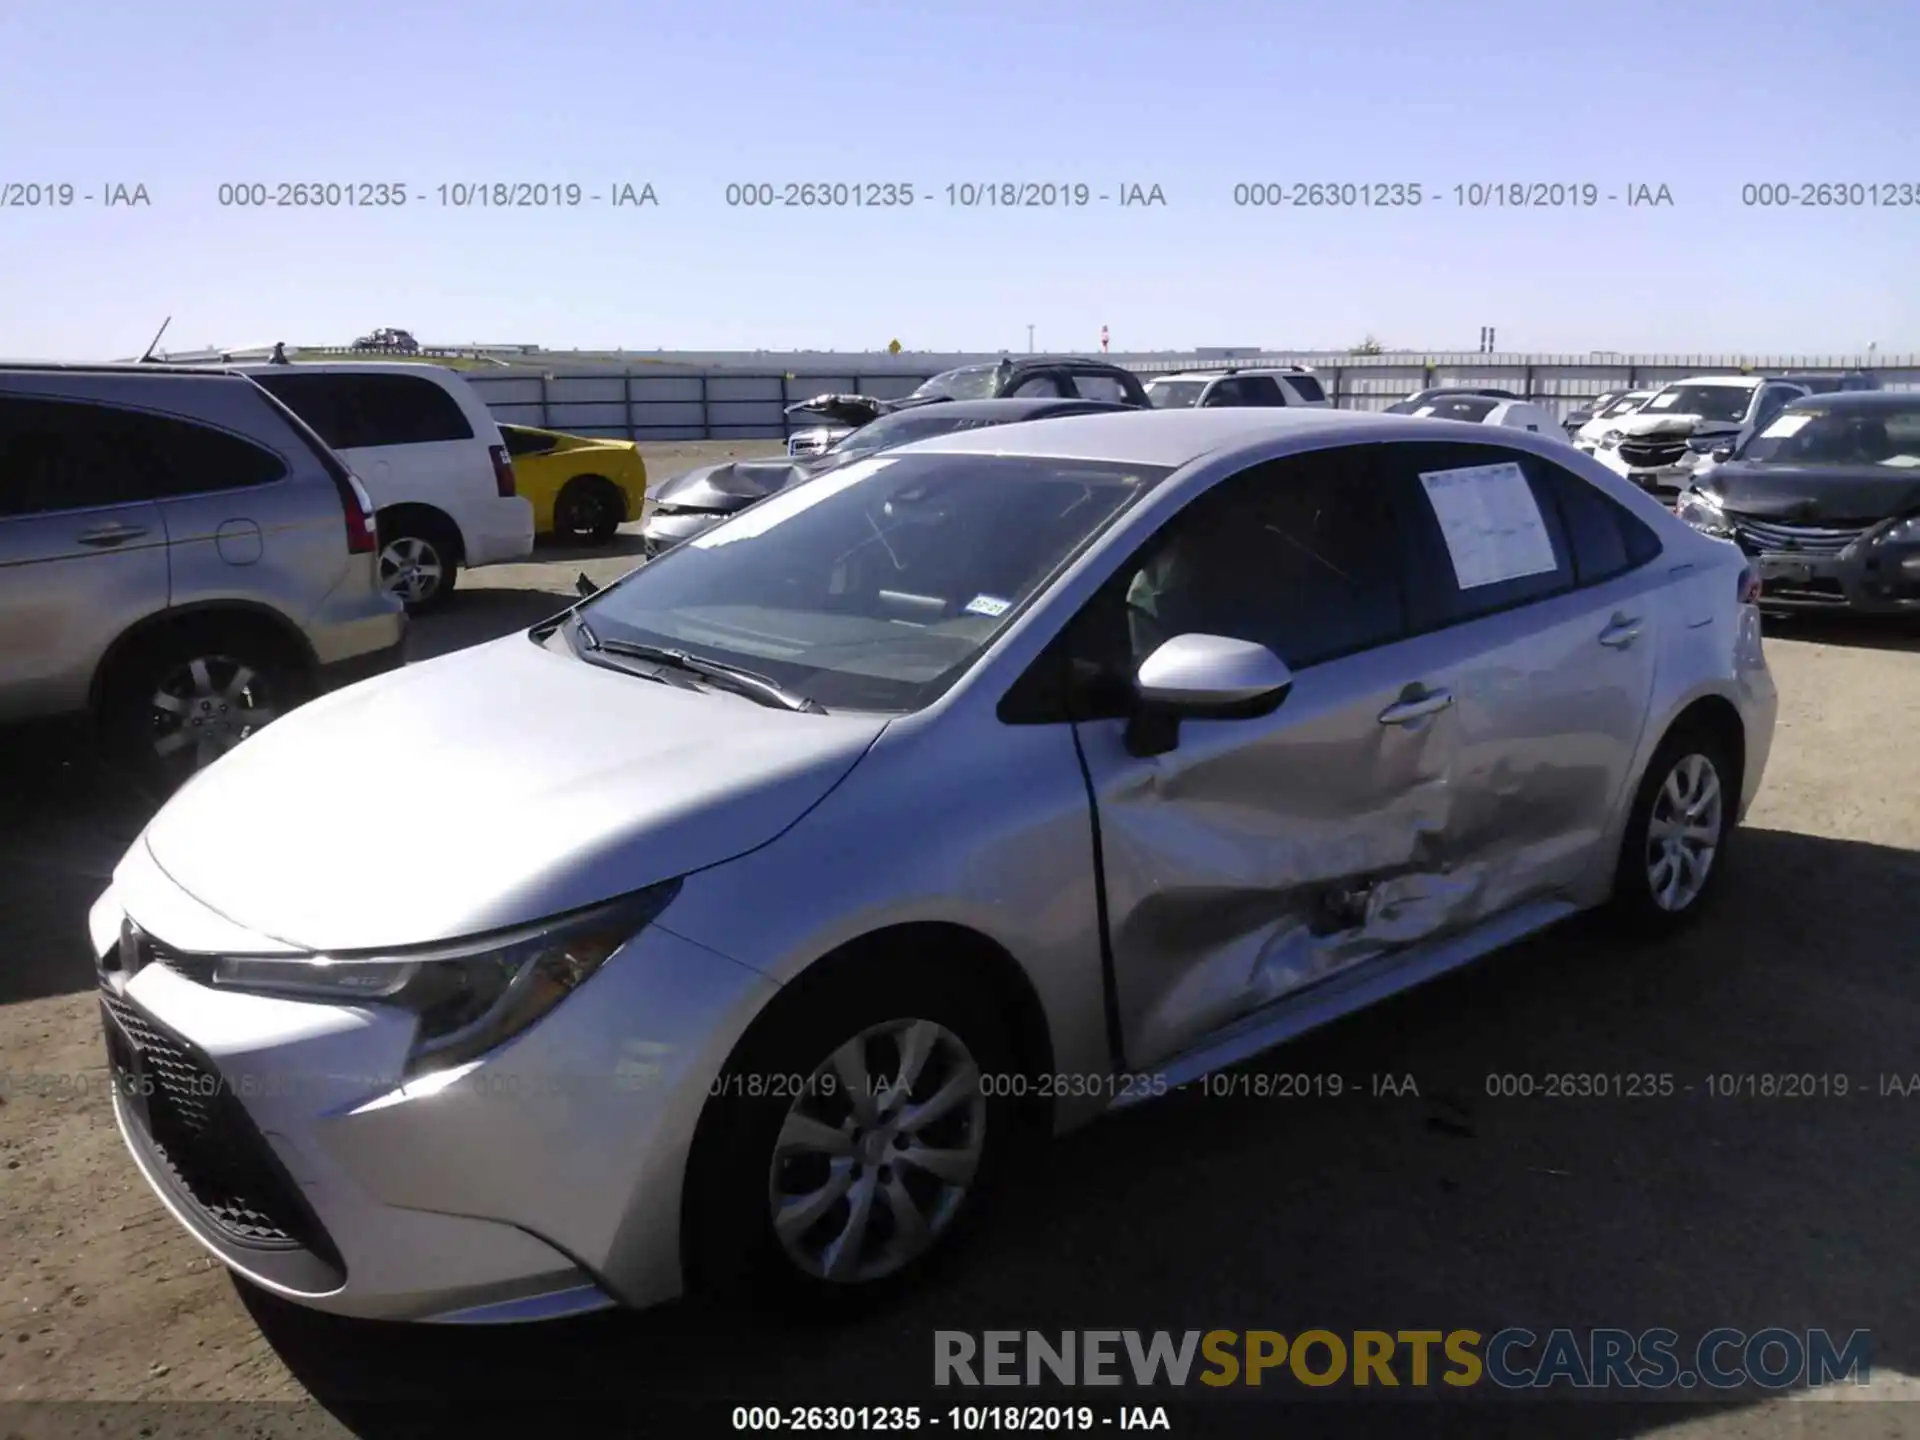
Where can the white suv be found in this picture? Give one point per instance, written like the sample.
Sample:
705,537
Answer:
427,449
1280,385
1688,425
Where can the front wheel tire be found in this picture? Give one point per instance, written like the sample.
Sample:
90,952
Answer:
417,566
851,1140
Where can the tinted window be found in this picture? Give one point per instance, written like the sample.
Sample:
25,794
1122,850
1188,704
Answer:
1100,387
1606,539
349,411
1308,387
63,455
1471,408
1262,390
1450,587
525,442
1175,394
1299,555
905,428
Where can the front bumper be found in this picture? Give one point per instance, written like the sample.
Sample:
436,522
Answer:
1859,582
542,1180
665,529
1663,482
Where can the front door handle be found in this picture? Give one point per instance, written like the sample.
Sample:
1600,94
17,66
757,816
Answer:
1621,632
105,535
1416,707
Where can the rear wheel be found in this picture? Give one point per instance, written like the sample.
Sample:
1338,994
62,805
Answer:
176,705
589,508
418,563
1674,849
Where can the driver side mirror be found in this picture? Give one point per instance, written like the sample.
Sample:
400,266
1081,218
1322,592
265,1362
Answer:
1202,677
1720,454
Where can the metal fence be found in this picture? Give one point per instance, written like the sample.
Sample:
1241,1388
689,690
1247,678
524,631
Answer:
662,403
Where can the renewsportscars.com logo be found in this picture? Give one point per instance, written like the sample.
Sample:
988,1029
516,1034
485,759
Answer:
1510,1359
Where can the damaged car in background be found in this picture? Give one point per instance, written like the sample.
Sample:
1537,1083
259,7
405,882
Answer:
1119,746
1826,502
1688,427
700,499
1024,377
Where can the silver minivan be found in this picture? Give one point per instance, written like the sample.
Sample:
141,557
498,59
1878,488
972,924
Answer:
181,560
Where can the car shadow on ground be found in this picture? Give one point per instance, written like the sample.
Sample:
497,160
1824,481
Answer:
1458,1203
474,616
625,544
1857,632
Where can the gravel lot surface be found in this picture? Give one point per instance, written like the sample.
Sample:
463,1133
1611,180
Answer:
1447,1208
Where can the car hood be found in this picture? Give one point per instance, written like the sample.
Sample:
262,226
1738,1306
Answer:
1642,425
488,788
736,484
1813,494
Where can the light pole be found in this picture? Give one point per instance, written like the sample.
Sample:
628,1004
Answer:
1029,339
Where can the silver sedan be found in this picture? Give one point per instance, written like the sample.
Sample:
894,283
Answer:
966,794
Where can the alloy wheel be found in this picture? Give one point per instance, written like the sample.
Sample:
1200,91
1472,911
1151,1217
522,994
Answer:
1683,833
878,1152
206,706
411,568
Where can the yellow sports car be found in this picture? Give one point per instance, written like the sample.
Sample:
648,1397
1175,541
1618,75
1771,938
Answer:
582,487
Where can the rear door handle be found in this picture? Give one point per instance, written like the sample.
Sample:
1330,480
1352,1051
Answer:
1405,712
1621,632
104,535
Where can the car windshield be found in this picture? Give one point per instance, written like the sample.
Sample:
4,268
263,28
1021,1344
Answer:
969,382
902,429
1625,405
1709,402
877,586
1839,435
1175,394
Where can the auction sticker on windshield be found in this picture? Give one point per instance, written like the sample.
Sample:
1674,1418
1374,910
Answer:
1786,425
987,605
1492,524
1661,402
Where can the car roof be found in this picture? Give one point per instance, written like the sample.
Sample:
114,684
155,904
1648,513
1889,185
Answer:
1860,400
1009,407
1172,438
1748,381
340,367
119,367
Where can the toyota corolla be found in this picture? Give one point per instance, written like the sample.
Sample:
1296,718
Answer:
957,796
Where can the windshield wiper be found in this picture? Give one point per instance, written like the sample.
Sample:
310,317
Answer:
726,677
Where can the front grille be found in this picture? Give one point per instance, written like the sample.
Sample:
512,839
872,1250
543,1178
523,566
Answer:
1773,537
1648,454
203,1139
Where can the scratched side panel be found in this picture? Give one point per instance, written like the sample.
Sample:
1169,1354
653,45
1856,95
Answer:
1227,859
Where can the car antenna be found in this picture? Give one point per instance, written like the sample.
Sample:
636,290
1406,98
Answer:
147,358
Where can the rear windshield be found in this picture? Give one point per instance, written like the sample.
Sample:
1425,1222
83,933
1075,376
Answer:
353,411
1474,408
1309,387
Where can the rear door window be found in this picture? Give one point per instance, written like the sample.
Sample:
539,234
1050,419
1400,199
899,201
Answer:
62,455
354,411
182,458
1487,528
1045,385
1100,387
1308,388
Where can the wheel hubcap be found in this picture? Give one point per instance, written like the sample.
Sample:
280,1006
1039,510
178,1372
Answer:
204,708
1683,833
878,1152
411,568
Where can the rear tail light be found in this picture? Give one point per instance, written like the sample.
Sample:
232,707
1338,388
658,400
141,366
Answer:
355,503
1749,586
502,471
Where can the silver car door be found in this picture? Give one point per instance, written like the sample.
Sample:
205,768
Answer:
83,552
1258,856
1551,667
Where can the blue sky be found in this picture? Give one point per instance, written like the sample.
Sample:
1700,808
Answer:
1194,96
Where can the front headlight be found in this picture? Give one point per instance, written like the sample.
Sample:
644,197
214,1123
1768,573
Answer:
1609,440
1901,532
471,996
1703,512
